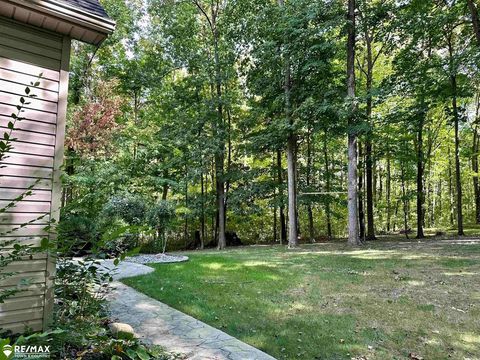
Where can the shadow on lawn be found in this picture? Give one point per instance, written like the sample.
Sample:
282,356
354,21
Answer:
331,302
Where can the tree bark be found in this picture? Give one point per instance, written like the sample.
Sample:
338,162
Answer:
291,149
353,238
274,176
229,157
165,186
458,178
292,196
456,119
361,212
70,170
420,170
475,21
310,154
388,192
327,188
368,142
283,224
185,229
220,153
202,216
476,188
275,237
450,189
405,202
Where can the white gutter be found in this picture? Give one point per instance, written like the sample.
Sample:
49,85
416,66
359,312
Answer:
69,13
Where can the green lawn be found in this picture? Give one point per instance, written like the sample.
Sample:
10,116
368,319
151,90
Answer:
326,301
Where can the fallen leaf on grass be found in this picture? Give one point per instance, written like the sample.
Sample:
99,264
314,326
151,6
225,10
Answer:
414,356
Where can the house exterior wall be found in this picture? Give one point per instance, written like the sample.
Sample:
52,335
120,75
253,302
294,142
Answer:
37,155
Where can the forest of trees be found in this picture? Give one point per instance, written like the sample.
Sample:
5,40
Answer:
279,121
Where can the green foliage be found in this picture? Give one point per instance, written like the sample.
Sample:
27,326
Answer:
77,234
130,208
80,324
80,287
163,65
160,217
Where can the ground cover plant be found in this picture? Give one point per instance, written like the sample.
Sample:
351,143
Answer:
388,300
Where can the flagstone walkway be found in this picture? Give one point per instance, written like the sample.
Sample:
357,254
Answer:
159,324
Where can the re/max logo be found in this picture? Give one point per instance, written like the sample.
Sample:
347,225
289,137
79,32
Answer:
32,349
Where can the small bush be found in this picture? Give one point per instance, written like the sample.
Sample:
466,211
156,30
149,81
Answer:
160,218
125,211
81,321
129,208
77,234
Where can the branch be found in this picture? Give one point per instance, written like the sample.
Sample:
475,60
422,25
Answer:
195,2
360,66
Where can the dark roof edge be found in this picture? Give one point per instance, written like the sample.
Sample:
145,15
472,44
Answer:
70,13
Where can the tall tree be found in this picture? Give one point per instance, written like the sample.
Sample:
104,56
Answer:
219,127
373,16
353,238
456,121
291,152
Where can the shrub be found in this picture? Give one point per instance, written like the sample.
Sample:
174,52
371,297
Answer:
126,212
77,234
81,323
160,218
129,208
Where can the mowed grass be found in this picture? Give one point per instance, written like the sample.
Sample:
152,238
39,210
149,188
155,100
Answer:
386,300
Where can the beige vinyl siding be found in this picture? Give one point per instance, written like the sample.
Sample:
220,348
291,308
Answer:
25,53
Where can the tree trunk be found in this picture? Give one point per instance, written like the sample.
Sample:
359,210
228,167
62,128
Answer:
369,173
353,238
430,198
405,202
220,154
274,175
292,201
420,169
185,229
283,224
458,178
275,237
327,188
220,189
229,157
202,217
165,186
456,119
311,229
389,189
361,212
450,189
291,148
475,21
368,144
70,170
439,199
476,187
